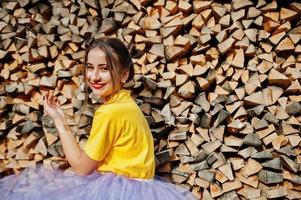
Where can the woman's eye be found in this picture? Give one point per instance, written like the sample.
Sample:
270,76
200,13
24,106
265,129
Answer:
89,67
104,69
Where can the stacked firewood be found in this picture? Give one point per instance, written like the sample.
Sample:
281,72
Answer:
218,81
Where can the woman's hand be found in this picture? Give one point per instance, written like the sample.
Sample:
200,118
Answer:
52,108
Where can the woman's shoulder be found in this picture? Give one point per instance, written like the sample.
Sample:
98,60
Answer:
117,109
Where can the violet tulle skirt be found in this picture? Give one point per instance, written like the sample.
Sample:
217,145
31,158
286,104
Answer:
39,183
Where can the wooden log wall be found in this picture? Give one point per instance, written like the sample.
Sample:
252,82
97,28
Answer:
219,83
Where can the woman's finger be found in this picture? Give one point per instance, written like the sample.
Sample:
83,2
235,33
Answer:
46,97
55,99
49,99
49,94
52,97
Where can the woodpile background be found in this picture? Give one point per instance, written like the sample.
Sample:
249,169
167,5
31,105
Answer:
219,83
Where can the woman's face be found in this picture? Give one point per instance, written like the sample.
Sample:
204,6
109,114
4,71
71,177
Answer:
98,75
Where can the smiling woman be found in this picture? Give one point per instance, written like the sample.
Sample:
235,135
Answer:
117,161
98,76
107,67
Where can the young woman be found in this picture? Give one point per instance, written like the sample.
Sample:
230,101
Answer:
117,161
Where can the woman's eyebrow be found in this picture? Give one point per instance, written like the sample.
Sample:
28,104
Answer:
102,64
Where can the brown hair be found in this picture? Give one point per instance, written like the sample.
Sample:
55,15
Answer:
118,59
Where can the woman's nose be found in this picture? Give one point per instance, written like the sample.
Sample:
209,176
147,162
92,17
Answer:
95,75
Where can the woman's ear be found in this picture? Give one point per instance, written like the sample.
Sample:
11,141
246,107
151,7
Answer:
124,76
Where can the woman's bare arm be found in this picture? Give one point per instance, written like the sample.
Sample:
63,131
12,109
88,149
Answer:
79,161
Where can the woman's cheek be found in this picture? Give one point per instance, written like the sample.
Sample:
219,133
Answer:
107,77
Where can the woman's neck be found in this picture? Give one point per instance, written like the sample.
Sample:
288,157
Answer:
108,98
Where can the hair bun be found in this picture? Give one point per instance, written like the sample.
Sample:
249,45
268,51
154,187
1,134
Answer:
134,52
88,42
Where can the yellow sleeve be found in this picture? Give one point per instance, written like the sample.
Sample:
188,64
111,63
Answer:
101,139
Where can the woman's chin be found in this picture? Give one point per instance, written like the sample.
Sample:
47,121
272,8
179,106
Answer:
102,93
99,95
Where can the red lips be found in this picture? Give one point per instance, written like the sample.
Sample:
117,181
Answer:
97,86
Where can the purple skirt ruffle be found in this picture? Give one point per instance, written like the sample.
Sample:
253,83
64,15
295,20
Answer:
39,183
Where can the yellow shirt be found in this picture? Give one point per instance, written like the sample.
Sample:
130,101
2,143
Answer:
121,138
